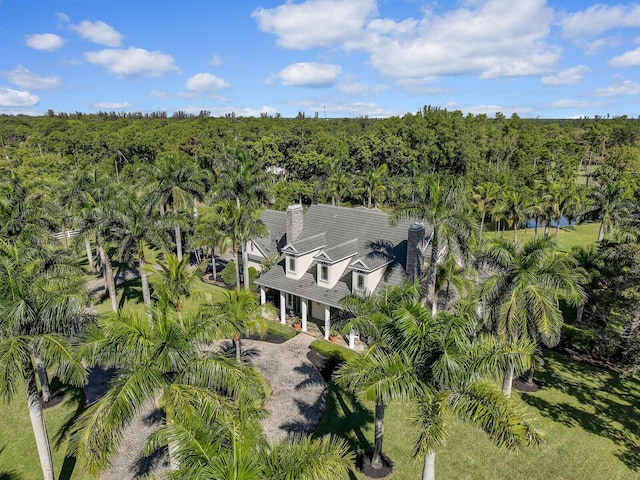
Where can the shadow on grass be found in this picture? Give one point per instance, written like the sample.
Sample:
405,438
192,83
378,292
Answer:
604,405
10,476
345,417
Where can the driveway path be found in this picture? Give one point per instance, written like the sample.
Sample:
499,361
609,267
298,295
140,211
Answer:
296,404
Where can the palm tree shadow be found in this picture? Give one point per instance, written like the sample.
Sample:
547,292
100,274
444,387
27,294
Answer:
345,417
9,474
611,411
158,459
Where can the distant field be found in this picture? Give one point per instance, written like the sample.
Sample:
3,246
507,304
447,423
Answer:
568,237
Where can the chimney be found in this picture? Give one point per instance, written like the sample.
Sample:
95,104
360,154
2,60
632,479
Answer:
294,222
415,238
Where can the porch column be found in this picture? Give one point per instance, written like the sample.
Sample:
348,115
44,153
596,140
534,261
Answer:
327,321
263,295
304,307
283,308
352,340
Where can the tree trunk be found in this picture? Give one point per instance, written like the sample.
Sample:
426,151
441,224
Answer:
515,232
601,232
546,229
144,278
245,266
579,313
236,342
179,310
237,265
108,278
178,243
557,227
39,427
431,276
87,246
508,381
65,239
484,213
214,273
429,466
44,379
376,457
530,375
369,202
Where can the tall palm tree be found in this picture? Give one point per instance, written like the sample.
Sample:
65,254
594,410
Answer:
239,225
37,305
450,369
136,226
611,196
511,208
521,295
381,377
173,281
160,360
444,206
452,274
485,195
374,184
237,314
174,182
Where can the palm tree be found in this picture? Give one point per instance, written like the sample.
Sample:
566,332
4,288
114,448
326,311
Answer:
176,182
137,225
381,377
444,206
37,305
612,198
173,281
226,442
521,295
452,274
160,360
239,225
237,314
208,234
449,368
485,195
512,208
374,183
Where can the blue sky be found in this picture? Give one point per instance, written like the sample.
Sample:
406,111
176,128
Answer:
339,58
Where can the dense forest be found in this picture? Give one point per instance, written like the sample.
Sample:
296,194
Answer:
124,181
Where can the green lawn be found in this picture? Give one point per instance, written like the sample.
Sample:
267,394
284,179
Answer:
18,454
568,237
590,418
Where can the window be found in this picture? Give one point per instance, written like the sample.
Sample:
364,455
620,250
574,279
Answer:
324,273
292,264
359,285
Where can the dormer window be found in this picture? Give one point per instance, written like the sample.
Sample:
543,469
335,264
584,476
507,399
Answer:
323,272
292,264
359,283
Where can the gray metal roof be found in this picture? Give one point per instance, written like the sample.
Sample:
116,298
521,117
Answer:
343,231
276,223
339,252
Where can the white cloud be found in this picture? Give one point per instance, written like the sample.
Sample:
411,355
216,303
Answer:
625,87
215,60
310,74
47,42
491,38
112,105
133,62
627,59
23,78
315,23
354,89
570,76
205,82
568,103
99,32
16,98
599,18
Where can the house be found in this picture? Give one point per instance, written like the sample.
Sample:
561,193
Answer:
328,253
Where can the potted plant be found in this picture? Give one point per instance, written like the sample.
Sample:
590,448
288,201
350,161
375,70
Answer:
333,336
297,325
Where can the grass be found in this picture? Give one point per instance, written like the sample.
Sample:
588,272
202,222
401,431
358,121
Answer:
568,237
18,454
589,416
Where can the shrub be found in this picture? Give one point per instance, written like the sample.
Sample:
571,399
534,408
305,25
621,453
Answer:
229,273
579,339
253,274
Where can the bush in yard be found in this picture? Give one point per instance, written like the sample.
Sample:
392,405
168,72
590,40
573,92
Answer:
229,273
